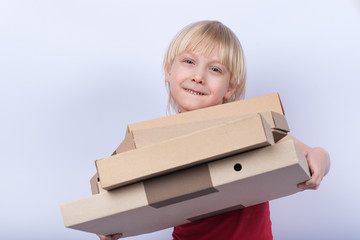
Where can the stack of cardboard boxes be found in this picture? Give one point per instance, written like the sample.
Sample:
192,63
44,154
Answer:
189,166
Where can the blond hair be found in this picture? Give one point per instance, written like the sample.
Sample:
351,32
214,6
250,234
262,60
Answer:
206,36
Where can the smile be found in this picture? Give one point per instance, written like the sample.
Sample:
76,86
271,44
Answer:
194,92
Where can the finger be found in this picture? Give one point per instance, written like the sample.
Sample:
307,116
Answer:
312,184
303,186
116,236
110,237
102,237
315,180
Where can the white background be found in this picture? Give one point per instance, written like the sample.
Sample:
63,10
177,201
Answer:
73,74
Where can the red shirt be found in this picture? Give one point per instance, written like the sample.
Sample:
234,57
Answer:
251,223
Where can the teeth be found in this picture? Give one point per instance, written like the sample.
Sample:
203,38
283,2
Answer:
195,93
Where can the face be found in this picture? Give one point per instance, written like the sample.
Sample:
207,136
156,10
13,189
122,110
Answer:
198,81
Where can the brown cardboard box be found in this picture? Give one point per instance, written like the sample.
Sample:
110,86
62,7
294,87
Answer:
142,137
270,102
197,147
146,136
210,115
190,194
148,132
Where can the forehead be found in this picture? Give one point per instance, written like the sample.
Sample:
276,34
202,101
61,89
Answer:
212,56
213,51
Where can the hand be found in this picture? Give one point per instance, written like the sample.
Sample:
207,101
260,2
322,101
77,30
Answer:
110,237
319,164
318,160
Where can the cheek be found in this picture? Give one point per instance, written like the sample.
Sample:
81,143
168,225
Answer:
220,87
174,88
177,79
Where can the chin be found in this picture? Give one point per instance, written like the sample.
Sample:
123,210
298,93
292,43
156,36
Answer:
192,107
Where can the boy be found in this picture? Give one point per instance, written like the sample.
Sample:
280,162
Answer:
205,66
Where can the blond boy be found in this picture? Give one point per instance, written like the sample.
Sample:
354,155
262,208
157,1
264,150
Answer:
205,66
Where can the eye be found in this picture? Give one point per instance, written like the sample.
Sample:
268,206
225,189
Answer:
188,61
214,69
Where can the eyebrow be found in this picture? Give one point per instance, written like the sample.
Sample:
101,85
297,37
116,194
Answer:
195,56
185,54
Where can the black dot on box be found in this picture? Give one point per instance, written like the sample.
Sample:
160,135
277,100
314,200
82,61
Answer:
237,167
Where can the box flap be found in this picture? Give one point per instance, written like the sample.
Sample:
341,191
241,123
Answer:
127,144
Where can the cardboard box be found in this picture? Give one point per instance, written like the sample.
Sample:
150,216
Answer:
210,115
142,137
190,194
152,131
146,136
270,102
184,151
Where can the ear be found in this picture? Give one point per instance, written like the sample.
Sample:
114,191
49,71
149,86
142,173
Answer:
231,90
167,70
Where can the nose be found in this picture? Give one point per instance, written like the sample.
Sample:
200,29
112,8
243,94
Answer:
198,77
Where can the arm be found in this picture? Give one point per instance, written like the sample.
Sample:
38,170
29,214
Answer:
318,160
